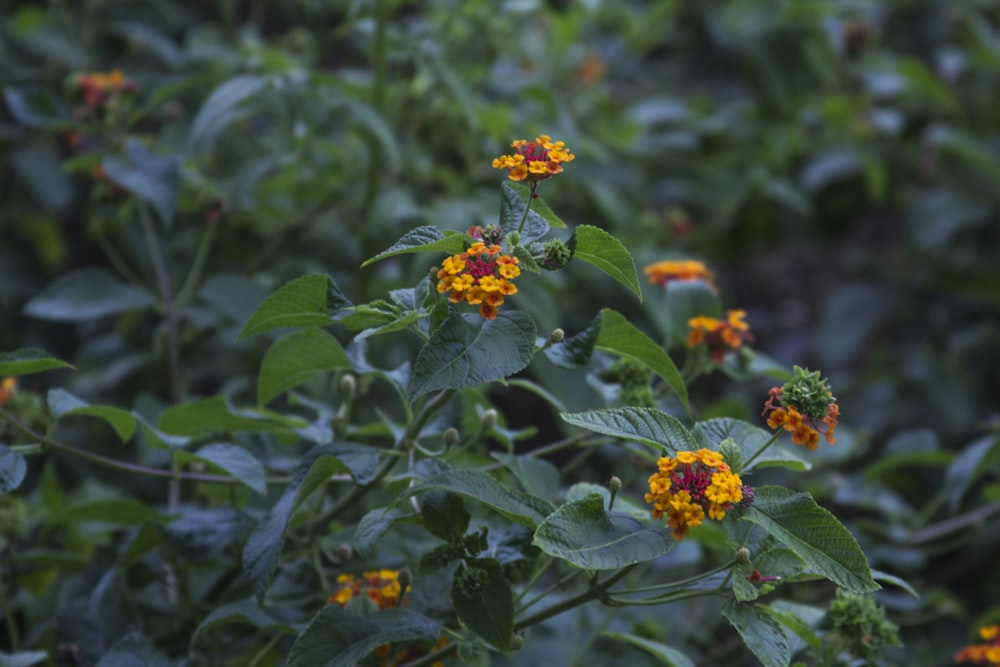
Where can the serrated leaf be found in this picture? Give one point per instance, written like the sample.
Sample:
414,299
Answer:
538,477
621,337
468,351
310,301
732,454
218,415
244,612
581,490
152,178
478,485
399,323
12,469
444,515
666,655
423,239
235,460
133,650
815,535
647,425
296,357
86,294
28,360
526,260
801,619
576,351
538,204
263,547
374,525
339,638
64,404
512,208
198,533
598,248
484,601
750,439
585,535
762,634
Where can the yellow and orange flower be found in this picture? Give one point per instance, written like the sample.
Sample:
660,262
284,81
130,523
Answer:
719,336
690,485
7,388
669,270
482,276
805,407
985,653
381,587
534,161
98,86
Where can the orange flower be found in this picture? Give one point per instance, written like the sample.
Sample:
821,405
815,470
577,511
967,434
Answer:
805,407
667,271
481,276
986,653
381,587
690,485
7,388
719,336
534,161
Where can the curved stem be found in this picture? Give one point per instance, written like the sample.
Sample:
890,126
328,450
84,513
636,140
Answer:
679,582
595,592
660,599
773,439
197,266
527,207
547,562
562,582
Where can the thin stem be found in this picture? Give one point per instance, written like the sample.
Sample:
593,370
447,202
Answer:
166,298
197,266
134,467
436,656
548,591
679,582
771,441
28,450
527,207
115,258
593,593
547,562
264,651
661,599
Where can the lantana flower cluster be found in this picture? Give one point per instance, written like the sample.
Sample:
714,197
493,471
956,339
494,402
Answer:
691,485
805,407
986,653
482,275
7,388
98,87
720,336
669,270
534,161
381,587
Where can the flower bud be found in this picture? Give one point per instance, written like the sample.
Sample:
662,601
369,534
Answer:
556,255
743,556
517,642
492,234
488,420
451,437
344,552
348,385
615,484
513,239
405,578
557,336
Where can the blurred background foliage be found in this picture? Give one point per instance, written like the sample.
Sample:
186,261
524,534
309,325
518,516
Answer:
836,162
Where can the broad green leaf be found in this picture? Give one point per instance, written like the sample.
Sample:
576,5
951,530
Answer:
28,360
118,511
647,425
399,323
512,208
444,515
64,404
154,437
337,637
623,505
310,301
133,650
750,439
217,415
598,248
538,477
585,535
244,612
879,575
23,658
374,525
423,239
967,467
621,337
141,542
152,178
12,469
370,315
235,460
762,634
667,655
201,533
263,547
468,351
296,357
802,619
484,601
37,107
478,485
576,351
86,294
538,204
815,535
222,108
732,454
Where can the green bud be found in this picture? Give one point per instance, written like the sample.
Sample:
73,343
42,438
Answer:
556,255
615,484
517,642
557,336
743,556
808,392
513,239
348,385
488,420
451,437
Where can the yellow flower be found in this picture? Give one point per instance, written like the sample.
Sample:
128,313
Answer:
719,336
480,276
7,388
534,161
666,271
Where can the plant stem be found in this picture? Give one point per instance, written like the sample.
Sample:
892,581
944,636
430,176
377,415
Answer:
197,266
264,651
771,441
132,467
167,302
594,592
562,582
662,599
679,582
527,207
27,450
547,561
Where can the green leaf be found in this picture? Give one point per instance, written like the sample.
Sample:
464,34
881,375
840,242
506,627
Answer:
598,248
478,485
309,301
84,295
217,415
538,205
732,454
749,438
117,511
64,404
815,535
423,239
244,612
468,351
647,425
374,525
879,575
263,547
36,107
538,477
28,360
801,619
585,535
484,601
12,469
445,516
512,207
621,337
667,655
133,650
235,460
23,658
296,357
762,634
222,108
623,505
339,638
967,467
153,179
